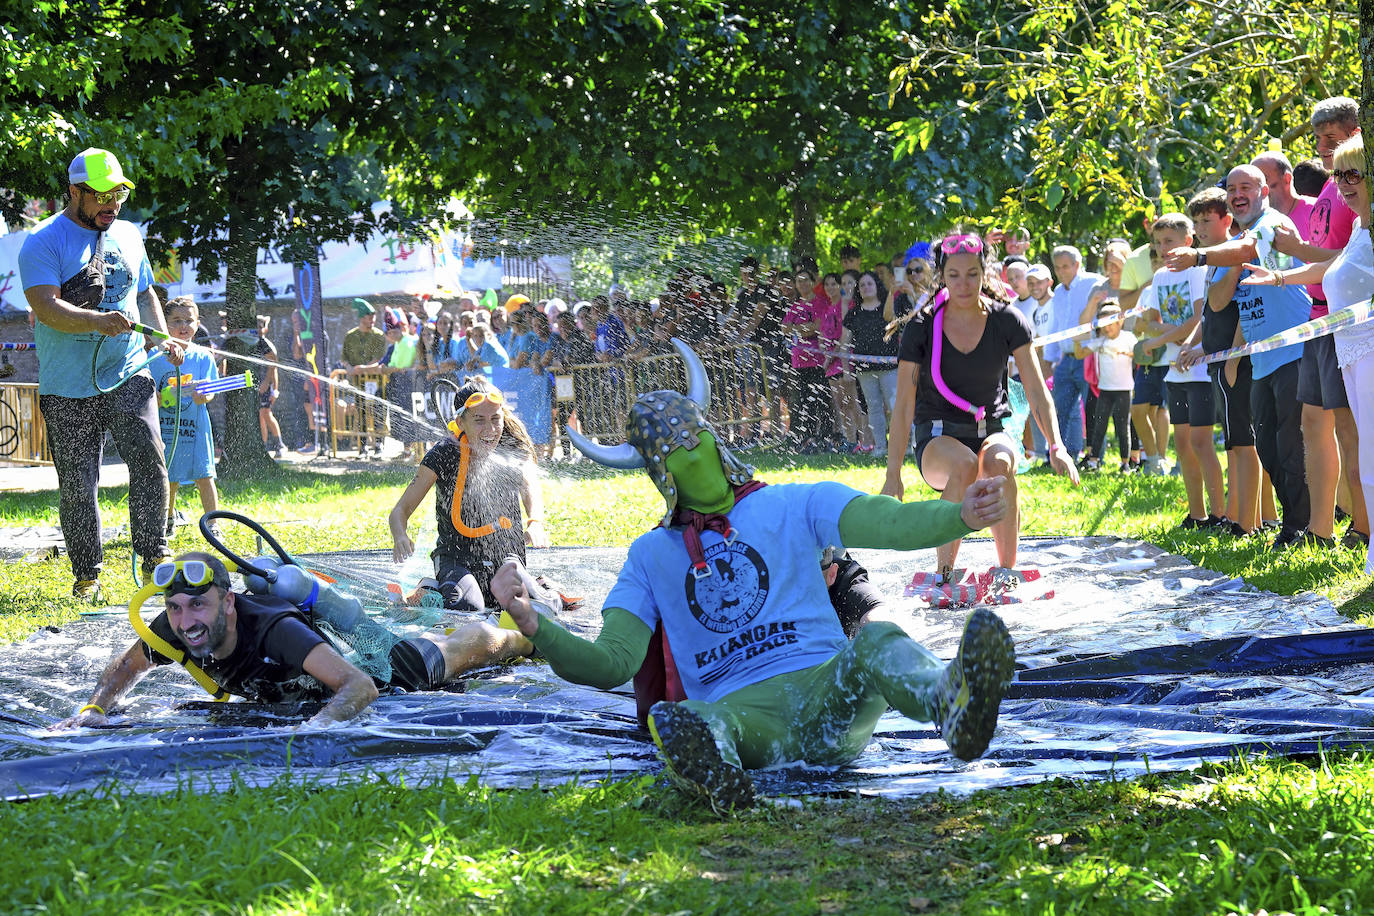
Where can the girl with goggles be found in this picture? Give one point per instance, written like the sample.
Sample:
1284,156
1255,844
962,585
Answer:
486,479
951,382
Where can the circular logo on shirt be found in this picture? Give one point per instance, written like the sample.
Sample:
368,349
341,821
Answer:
118,278
733,593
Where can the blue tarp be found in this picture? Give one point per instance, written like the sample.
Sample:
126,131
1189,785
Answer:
1139,661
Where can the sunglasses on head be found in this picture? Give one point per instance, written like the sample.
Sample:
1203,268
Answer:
194,574
953,244
1348,176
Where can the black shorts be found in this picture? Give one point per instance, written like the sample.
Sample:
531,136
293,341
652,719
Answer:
417,664
1149,385
265,398
1319,375
1190,404
1233,403
966,434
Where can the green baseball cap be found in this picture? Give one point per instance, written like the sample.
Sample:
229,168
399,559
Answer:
97,169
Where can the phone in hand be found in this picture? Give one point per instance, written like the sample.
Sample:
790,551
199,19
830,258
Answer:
899,274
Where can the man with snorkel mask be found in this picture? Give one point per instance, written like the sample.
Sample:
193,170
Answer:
732,576
262,647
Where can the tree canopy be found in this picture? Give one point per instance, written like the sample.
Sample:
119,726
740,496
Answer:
1114,108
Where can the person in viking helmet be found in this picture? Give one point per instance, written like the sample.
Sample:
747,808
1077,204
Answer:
732,575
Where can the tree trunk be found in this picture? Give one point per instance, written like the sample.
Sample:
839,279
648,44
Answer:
245,455
803,229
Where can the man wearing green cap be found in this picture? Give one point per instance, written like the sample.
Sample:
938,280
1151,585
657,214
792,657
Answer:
87,278
365,346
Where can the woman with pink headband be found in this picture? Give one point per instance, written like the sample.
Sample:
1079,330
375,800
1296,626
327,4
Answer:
952,383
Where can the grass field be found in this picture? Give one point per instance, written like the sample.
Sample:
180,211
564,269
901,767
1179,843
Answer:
1279,836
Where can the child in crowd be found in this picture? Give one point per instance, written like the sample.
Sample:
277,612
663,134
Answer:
186,437
1173,313
1115,366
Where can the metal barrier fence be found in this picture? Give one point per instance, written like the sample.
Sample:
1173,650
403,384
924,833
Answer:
601,393
23,434
352,419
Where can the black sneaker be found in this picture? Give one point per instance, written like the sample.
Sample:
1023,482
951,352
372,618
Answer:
693,760
1355,540
1194,524
970,691
1288,537
1217,523
1315,540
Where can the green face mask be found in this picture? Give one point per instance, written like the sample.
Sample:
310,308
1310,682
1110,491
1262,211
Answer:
699,477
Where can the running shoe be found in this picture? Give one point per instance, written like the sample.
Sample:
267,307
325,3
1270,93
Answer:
1315,540
970,691
1355,540
692,759
1194,524
87,591
1287,537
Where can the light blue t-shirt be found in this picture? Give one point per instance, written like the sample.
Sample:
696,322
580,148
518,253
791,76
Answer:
764,610
56,251
1267,310
189,446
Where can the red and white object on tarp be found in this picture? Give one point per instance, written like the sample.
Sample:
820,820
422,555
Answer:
967,588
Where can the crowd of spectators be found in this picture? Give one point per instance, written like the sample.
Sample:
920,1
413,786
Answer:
806,354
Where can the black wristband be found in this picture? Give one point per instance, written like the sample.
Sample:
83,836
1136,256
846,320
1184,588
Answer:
1201,257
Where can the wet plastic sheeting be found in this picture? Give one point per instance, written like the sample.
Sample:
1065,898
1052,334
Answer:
1140,660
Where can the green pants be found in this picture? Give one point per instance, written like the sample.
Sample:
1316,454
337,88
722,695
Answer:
826,714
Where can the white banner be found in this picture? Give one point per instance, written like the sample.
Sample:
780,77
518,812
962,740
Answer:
385,263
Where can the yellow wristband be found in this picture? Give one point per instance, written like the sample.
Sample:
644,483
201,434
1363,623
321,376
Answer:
90,706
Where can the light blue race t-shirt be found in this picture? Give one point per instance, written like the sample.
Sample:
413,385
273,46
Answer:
764,610
1267,310
55,252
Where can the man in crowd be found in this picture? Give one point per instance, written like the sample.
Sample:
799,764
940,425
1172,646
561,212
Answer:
264,648
1328,424
850,258
1070,388
363,346
1263,311
87,279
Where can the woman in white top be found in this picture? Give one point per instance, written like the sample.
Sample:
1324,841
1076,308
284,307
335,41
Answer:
1348,279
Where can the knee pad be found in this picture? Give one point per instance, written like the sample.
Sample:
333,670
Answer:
455,600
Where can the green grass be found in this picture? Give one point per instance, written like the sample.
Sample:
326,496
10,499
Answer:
1283,835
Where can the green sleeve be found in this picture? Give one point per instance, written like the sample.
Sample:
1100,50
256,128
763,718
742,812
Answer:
609,662
881,521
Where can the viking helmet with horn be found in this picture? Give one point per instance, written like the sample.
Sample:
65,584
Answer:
660,422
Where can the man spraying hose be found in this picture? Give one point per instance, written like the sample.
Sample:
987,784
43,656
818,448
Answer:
733,577
87,278
264,648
